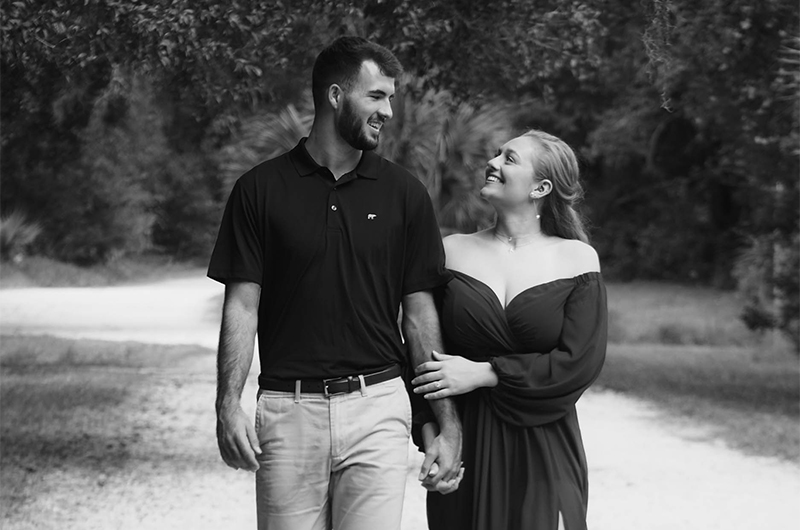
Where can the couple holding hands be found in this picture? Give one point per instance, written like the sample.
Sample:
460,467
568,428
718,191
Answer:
501,331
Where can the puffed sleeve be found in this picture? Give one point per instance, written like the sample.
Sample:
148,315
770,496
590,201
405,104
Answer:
537,388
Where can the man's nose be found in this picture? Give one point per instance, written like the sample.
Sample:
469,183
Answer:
386,110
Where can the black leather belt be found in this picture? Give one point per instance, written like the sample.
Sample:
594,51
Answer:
338,385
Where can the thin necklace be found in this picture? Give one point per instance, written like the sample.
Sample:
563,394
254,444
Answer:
514,242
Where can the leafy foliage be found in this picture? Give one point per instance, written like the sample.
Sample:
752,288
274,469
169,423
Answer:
17,234
264,136
504,48
445,143
684,115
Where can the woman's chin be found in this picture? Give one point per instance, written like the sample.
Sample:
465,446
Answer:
488,192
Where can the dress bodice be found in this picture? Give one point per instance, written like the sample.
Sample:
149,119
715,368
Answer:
478,326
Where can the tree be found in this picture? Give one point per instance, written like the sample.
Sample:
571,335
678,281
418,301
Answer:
66,122
680,134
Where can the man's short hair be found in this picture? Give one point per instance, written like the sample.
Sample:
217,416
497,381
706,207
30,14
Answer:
341,61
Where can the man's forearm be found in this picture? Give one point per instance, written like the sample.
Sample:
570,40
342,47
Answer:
423,335
236,341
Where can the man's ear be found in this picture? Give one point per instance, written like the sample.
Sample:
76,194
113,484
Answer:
335,95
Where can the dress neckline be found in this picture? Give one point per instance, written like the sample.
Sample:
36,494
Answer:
580,278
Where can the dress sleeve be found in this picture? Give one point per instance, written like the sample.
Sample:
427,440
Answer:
536,388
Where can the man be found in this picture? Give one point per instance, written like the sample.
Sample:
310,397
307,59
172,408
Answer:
318,248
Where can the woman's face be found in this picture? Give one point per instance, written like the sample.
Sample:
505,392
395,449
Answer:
510,174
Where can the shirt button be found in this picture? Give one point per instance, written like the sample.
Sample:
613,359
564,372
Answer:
333,207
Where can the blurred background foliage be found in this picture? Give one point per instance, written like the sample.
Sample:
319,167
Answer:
124,123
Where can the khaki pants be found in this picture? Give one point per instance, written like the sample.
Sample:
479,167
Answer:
337,462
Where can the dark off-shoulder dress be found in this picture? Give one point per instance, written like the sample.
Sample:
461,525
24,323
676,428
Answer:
522,449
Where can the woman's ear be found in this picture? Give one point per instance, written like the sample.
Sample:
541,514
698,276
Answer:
541,188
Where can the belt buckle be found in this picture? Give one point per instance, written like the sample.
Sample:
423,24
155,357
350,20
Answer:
349,380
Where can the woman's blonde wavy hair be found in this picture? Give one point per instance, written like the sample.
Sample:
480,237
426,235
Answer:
556,162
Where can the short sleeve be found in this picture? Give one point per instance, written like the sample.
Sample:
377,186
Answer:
536,388
424,257
238,252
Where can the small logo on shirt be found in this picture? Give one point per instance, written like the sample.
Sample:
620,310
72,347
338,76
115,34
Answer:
371,216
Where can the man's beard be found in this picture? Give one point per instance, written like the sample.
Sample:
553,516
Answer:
351,128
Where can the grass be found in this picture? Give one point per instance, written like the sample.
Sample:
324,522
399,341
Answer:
103,418
752,402
62,400
38,271
685,349
665,313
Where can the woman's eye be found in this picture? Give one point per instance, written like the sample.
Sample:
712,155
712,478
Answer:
510,159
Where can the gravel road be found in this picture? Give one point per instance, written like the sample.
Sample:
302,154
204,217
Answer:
646,471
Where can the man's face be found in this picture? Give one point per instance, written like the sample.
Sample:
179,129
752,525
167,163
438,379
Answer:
365,108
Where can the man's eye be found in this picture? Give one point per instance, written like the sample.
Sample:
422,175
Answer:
510,159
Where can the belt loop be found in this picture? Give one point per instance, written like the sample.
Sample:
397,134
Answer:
297,385
363,385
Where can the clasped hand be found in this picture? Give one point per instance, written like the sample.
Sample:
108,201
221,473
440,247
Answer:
436,446
446,375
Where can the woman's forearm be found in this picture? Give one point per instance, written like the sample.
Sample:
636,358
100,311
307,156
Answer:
486,375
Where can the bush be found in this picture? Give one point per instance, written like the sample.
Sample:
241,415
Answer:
186,210
17,234
767,275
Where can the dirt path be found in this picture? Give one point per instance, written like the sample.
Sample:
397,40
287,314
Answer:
646,472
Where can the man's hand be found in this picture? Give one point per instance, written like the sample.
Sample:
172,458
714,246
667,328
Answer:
422,333
443,487
441,469
236,435
237,438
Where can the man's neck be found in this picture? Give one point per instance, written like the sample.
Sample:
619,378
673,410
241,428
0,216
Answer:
329,150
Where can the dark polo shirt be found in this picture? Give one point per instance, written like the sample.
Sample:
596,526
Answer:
333,258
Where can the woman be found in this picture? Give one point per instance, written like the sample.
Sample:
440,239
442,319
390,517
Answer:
525,321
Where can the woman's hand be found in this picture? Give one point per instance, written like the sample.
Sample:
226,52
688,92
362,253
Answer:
429,433
451,375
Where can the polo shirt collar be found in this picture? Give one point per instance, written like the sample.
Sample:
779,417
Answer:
305,165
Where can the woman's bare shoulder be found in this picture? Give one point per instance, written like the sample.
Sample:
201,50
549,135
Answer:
581,256
456,242
460,247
